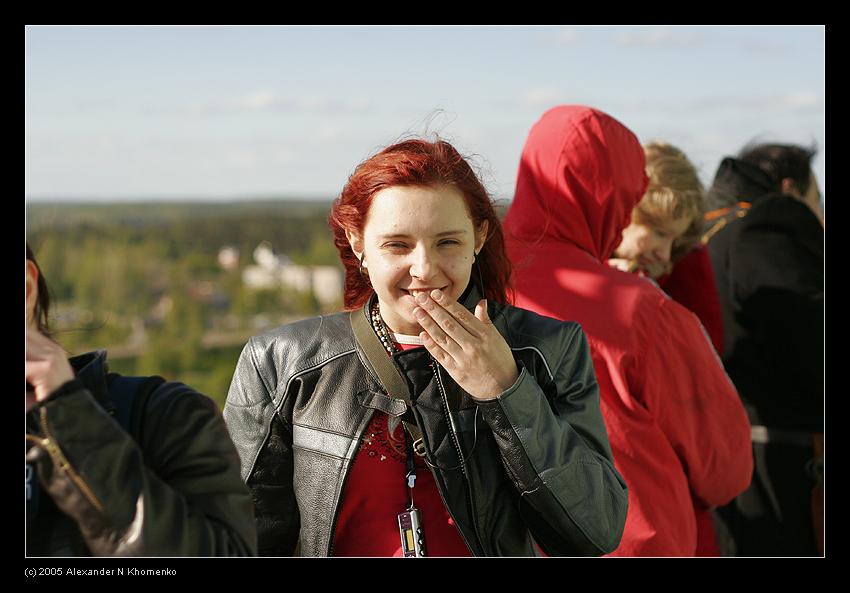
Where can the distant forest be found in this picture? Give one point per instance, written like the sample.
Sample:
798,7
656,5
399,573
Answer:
145,282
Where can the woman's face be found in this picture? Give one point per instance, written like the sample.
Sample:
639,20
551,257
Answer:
415,239
649,246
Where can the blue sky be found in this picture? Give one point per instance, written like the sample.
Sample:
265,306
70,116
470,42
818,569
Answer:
126,113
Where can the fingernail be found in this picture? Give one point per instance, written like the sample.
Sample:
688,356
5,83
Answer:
421,298
437,294
418,313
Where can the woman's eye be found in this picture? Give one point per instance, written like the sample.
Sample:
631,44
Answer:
397,245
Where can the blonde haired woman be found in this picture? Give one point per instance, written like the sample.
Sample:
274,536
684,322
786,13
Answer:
663,240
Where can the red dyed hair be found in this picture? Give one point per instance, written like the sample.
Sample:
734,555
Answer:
417,163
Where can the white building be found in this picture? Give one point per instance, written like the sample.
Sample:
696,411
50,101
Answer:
228,258
274,271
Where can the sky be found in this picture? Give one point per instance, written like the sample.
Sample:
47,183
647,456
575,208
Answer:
232,113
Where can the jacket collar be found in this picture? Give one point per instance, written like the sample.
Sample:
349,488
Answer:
470,296
91,368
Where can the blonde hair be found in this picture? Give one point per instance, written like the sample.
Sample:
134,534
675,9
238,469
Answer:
674,192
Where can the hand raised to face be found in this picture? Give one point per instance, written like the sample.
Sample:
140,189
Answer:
653,270
468,346
46,367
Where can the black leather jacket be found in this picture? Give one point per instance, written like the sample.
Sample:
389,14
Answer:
175,492
303,394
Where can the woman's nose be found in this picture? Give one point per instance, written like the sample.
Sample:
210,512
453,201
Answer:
422,264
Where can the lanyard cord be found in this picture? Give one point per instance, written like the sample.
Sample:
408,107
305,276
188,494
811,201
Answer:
410,475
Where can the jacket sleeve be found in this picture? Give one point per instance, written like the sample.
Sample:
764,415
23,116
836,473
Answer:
179,494
264,442
684,386
556,451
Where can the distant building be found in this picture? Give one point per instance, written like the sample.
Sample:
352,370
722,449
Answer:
275,271
265,256
327,284
228,258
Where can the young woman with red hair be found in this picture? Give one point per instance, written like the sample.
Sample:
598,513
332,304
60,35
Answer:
457,424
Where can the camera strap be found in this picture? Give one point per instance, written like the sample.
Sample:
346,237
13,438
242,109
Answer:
390,377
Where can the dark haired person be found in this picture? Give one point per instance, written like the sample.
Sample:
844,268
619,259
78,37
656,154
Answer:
678,431
766,246
500,446
170,489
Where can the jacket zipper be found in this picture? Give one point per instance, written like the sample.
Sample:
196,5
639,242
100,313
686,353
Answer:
435,367
49,444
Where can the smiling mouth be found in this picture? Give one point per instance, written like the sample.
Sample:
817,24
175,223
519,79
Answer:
416,291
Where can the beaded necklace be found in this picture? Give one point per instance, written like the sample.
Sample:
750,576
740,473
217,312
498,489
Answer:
382,331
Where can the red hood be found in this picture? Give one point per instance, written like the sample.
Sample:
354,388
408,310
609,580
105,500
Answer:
580,176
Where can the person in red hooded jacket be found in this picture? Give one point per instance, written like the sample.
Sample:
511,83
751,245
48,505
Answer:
662,242
677,428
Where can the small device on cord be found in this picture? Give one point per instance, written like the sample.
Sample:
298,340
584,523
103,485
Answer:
412,536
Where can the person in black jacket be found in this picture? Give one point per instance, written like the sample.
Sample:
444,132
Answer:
93,489
766,245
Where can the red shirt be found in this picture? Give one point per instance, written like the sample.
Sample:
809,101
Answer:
376,492
692,284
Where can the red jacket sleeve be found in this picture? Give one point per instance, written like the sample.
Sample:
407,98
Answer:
696,405
692,284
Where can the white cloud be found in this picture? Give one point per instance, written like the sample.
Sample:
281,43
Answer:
259,100
242,159
256,156
283,155
803,101
564,37
541,98
328,133
768,48
792,103
659,38
268,101
797,103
